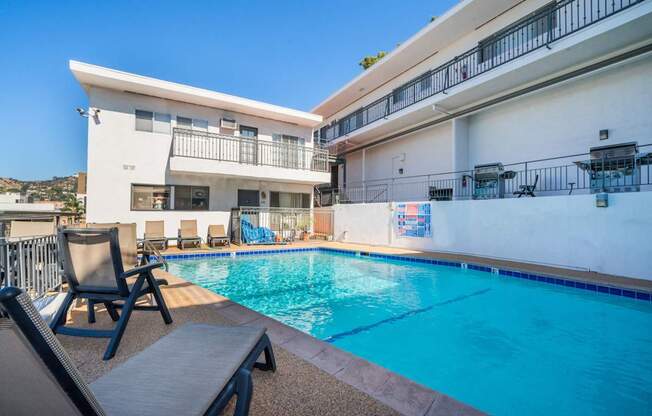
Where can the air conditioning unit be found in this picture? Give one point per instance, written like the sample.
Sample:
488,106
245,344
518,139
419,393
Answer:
228,123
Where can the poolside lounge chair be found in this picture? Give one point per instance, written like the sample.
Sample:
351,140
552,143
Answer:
216,234
195,370
155,234
92,265
188,234
527,189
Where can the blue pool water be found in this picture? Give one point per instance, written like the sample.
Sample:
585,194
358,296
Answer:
504,345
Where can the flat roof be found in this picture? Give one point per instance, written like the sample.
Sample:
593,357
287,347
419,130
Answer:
93,75
459,20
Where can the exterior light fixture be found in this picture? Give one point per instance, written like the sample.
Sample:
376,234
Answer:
93,112
604,134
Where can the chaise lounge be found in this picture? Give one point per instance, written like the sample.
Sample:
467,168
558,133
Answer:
195,370
188,234
217,235
155,234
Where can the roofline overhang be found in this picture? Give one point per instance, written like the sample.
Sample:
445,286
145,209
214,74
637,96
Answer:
459,20
89,75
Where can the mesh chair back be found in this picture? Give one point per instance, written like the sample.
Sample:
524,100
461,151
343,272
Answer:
38,377
216,231
128,244
31,229
154,229
91,259
188,229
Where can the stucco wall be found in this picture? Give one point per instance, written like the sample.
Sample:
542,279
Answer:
558,230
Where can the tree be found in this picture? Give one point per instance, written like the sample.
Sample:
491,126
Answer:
369,60
72,204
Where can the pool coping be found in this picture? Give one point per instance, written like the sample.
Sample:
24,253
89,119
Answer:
541,277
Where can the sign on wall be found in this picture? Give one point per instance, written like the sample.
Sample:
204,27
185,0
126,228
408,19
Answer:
413,220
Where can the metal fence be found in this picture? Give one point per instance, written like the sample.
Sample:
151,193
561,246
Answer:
287,224
30,264
563,175
538,30
204,145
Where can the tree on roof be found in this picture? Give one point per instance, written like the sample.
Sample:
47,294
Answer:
369,60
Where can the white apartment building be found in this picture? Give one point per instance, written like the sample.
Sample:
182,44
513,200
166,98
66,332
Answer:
158,150
508,81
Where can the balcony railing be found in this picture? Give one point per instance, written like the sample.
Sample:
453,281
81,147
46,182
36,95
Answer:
286,224
564,175
538,30
251,151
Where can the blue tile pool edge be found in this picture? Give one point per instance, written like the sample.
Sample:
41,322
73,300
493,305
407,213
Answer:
543,278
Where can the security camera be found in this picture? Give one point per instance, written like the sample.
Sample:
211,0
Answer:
81,111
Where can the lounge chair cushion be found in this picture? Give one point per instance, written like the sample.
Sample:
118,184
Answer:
148,383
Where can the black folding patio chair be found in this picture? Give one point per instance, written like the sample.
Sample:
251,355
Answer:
195,370
93,267
527,190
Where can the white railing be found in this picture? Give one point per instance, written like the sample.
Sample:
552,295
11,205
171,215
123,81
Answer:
31,264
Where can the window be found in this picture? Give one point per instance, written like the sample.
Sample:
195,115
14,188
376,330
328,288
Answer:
248,198
169,197
184,122
190,198
198,124
292,154
152,122
148,198
192,123
248,131
144,120
162,123
289,200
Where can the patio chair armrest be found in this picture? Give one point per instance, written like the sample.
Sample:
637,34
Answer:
142,269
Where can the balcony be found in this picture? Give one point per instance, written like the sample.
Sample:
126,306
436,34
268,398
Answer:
202,152
542,29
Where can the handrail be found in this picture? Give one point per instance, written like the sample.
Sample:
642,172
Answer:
204,145
148,247
531,33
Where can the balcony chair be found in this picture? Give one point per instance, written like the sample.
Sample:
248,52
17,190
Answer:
216,234
188,234
527,190
194,370
155,234
93,267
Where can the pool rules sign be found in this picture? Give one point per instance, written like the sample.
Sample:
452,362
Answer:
413,220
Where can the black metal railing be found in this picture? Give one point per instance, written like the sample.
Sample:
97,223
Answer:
203,145
563,175
538,30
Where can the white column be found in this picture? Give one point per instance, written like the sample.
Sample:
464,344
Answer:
364,177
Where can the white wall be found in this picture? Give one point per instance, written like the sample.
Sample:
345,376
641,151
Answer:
119,156
558,230
567,119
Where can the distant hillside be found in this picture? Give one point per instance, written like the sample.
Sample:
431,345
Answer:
55,189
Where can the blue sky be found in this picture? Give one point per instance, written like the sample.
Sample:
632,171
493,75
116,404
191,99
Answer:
291,53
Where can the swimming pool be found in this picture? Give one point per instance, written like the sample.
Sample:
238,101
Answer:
502,344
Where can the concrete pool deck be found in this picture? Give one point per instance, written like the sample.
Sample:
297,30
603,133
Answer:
313,378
